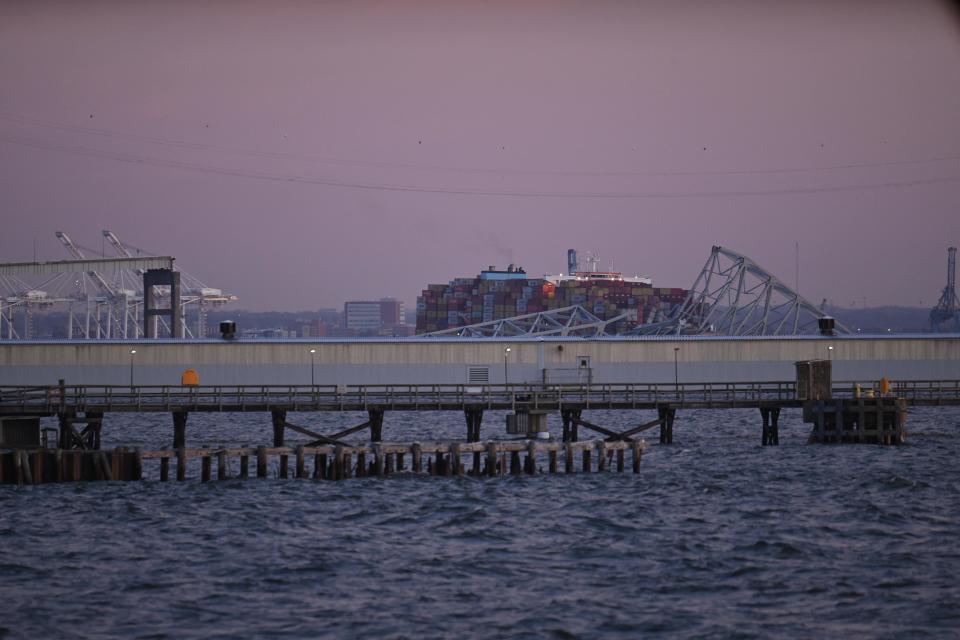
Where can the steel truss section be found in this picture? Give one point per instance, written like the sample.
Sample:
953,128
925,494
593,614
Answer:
733,295
568,321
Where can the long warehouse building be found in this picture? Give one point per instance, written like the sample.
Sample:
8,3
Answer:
476,361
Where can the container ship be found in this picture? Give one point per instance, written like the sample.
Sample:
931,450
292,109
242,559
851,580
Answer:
497,294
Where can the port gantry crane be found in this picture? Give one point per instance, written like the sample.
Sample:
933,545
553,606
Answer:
120,302
945,316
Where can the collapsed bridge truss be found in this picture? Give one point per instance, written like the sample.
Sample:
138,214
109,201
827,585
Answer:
733,295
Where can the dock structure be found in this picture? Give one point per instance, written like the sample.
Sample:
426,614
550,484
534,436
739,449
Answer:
858,420
325,462
80,409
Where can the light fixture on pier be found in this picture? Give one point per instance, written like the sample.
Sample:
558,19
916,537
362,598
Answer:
506,352
312,352
133,352
676,371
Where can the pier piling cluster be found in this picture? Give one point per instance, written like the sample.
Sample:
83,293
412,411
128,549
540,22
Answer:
327,462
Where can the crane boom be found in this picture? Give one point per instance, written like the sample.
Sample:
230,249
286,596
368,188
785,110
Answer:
116,244
98,279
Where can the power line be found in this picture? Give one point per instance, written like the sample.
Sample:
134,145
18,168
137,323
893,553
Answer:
277,155
257,175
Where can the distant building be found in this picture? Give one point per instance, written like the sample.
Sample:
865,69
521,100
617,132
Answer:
374,317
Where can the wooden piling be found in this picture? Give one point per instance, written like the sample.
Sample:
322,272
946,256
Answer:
601,456
587,466
164,469
221,465
552,461
205,468
361,464
300,464
137,464
620,461
58,458
416,452
379,464
455,458
336,469
244,466
637,451
105,466
320,466
491,458
261,462
568,466
181,464
37,466
389,459
531,461
515,468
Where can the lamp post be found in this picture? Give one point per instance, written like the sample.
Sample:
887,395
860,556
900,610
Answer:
830,353
676,371
132,353
506,380
312,352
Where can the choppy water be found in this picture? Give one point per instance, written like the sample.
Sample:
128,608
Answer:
718,537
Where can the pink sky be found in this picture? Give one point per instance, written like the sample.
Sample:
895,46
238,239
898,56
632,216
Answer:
302,154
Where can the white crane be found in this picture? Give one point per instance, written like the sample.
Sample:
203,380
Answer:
110,295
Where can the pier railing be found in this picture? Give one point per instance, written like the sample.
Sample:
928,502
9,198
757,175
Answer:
392,397
145,398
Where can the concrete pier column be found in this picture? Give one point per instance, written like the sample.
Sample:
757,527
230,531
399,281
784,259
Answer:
666,415
376,424
279,418
179,429
570,418
771,428
474,419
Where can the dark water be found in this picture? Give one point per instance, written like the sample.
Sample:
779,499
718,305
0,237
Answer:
718,537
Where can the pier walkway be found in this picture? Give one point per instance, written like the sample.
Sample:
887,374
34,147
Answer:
58,399
80,409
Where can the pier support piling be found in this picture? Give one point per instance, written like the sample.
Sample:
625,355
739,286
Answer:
666,416
376,424
771,428
279,417
491,458
571,421
261,462
179,429
474,419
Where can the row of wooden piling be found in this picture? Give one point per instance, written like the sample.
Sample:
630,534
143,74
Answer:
325,462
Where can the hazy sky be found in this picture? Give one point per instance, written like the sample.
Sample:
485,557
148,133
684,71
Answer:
301,154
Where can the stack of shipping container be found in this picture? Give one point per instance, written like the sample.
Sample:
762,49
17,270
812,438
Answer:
494,295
